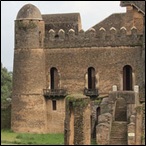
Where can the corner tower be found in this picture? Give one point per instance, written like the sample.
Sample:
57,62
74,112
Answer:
28,103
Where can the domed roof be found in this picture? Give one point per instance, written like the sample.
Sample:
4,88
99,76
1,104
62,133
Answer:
29,11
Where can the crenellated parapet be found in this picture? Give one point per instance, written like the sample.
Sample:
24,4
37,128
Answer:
92,38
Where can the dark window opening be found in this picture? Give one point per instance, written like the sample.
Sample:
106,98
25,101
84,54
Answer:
54,78
54,104
56,36
91,78
127,78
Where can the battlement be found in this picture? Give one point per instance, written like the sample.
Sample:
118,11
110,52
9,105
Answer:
92,38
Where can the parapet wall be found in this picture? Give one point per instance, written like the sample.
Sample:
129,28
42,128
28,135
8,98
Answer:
90,38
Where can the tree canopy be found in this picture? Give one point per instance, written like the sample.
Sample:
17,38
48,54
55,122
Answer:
6,84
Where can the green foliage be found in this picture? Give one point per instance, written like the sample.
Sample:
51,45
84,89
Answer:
28,138
93,142
10,137
77,100
6,83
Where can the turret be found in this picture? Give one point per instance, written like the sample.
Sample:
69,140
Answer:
29,54
28,72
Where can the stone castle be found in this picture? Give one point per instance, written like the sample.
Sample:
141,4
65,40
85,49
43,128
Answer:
54,57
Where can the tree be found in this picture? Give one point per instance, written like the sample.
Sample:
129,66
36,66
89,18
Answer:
6,84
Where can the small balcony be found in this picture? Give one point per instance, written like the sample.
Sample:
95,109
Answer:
91,92
50,93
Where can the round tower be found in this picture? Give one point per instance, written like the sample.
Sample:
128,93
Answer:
28,103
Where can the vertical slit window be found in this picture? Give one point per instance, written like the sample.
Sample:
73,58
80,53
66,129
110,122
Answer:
127,77
54,104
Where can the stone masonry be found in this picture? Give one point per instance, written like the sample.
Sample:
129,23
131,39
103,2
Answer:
77,120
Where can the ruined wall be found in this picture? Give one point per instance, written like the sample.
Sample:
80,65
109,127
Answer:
133,18
77,129
129,19
95,112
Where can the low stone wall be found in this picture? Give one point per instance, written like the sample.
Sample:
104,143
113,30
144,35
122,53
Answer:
103,129
6,116
77,130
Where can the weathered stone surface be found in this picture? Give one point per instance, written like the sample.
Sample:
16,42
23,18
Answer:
105,118
131,134
77,130
103,131
29,11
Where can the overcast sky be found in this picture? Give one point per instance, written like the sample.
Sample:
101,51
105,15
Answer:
92,12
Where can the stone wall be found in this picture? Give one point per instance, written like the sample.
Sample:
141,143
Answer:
55,118
29,34
29,71
73,63
129,19
91,38
29,114
77,130
65,21
95,112
103,129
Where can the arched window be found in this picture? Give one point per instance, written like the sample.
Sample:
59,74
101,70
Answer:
127,77
91,78
54,78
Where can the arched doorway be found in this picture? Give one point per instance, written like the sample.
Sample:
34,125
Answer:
127,77
91,78
54,78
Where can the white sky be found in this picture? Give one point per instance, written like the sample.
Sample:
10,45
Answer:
92,12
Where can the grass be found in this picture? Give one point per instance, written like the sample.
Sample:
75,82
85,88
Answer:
8,136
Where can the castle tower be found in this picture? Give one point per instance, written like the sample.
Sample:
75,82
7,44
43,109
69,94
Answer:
28,102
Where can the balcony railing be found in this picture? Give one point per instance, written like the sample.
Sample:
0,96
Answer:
91,92
54,92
